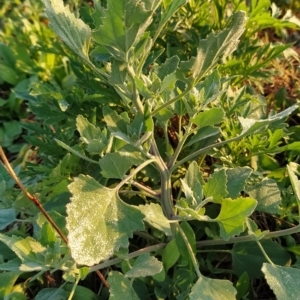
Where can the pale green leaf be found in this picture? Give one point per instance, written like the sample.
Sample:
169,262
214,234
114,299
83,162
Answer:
193,180
123,24
243,253
73,31
251,125
145,265
98,221
236,180
155,217
214,48
11,265
213,116
284,281
120,287
267,194
216,186
233,216
114,121
7,216
168,67
212,289
295,183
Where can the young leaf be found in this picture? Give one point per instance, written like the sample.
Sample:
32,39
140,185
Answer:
145,265
236,180
212,289
121,287
155,217
91,135
123,24
98,221
233,216
267,194
74,32
216,186
243,253
283,281
211,50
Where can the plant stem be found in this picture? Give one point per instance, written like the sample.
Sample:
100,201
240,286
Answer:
179,147
115,261
249,238
135,171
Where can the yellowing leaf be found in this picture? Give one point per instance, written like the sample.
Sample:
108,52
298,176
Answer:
233,216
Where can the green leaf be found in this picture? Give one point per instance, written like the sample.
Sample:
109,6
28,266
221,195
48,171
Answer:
233,216
73,31
242,286
192,186
115,122
81,292
170,255
212,289
168,67
7,281
283,281
8,74
213,116
7,216
243,253
106,221
170,9
236,180
51,294
28,250
267,194
214,48
251,126
117,164
204,133
145,265
155,217
120,287
123,24
216,186
92,136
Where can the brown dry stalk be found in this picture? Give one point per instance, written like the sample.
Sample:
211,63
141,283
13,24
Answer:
38,204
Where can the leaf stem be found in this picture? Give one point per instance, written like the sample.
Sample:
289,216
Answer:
146,189
135,171
115,261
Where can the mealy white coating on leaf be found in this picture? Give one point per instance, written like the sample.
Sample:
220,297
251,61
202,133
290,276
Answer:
284,281
98,221
212,289
145,265
155,217
73,31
